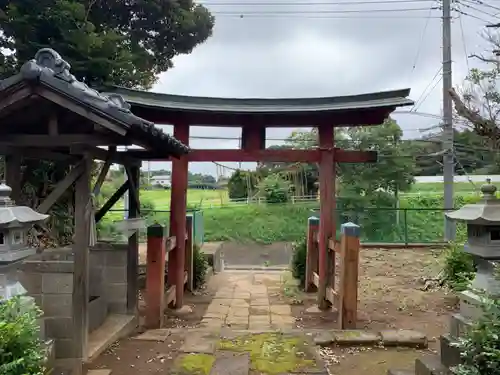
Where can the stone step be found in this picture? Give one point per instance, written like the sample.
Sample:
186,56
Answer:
458,325
430,365
99,372
450,355
231,363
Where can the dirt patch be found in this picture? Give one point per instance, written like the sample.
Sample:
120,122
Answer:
137,357
390,296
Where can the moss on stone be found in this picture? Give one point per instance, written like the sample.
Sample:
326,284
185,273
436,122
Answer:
273,353
195,364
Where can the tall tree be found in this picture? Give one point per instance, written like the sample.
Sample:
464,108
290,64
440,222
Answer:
117,42
477,102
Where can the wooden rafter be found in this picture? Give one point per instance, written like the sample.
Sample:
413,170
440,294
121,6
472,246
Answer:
61,187
111,201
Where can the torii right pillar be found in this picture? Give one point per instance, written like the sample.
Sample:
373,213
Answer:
327,207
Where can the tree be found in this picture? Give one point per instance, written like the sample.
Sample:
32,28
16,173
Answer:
116,42
477,102
125,43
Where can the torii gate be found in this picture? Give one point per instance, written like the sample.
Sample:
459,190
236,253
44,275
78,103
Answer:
254,116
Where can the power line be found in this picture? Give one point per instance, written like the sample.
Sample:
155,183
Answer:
467,5
421,43
416,105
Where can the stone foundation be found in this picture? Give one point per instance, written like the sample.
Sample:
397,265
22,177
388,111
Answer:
48,278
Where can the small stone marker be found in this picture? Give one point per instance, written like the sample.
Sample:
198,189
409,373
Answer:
356,337
154,335
230,363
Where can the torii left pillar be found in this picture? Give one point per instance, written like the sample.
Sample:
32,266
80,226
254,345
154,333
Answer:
327,207
178,201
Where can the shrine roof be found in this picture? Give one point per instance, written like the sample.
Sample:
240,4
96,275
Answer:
50,71
384,101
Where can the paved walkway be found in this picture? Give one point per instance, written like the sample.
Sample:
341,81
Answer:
242,302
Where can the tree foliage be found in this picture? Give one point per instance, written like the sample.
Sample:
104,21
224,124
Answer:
116,42
125,43
477,102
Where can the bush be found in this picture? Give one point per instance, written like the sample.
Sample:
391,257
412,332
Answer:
21,351
480,344
458,268
200,267
275,189
299,259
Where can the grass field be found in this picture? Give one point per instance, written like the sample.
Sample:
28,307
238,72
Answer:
420,220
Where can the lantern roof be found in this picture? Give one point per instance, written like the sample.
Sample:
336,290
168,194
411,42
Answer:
12,214
486,211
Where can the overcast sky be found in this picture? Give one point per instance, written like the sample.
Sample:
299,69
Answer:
298,48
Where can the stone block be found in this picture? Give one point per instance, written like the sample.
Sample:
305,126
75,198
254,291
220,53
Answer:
64,348
98,310
117,307
356,337
59,328
158,335
57,305
57,283
458,325
32,282
116,258
199,343
430,365
230,363
450,354
116,292
403,337
115,275
97,259
284,310
95,284
399,372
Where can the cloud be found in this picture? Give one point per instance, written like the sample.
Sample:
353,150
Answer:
298,49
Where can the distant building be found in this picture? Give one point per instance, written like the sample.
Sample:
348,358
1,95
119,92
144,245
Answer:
164,181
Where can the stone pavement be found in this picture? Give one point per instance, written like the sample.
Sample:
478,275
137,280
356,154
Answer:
242,301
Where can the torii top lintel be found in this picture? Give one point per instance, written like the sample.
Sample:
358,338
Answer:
352,110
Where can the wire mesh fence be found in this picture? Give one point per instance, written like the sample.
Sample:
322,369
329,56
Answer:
287,222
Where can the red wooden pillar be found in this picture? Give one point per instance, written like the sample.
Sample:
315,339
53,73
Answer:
155,276
327,206
178,197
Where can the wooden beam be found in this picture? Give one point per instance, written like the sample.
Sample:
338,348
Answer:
253,137
81,264
38,153
103,172
53,125
134,185
133,174
303,156
14,98
61,187
64,140
13,176
111,201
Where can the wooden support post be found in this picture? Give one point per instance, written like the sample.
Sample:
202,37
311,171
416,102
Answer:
348,293
133,241
13,174
178,213
312,253
81,264
155,276
111,201
327,206
189,253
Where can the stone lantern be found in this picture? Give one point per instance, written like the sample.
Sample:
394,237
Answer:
15,222
483,243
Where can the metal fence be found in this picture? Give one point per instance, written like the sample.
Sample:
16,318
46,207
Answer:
288,222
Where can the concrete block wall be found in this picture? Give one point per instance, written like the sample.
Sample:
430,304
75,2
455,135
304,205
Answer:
109,262
50,283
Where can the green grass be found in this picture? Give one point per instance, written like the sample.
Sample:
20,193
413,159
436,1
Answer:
437,188
423,221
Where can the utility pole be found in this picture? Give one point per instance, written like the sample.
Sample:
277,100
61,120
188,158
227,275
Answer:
448,154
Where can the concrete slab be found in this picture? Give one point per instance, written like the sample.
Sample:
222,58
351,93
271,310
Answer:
199,343
115,327
404,337
230,363
159,335
99,372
